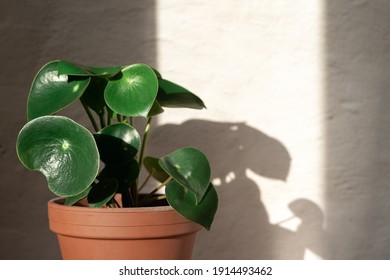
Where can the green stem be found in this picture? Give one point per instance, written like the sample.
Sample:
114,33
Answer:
109,117
145,138
141,157
155,198
127,199
111,204
89,113
133,194
159,187
102,120
116,203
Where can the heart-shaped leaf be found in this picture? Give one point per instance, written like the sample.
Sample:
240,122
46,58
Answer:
74,69
175,96
133,91
102,192
184,203
51,92
118,143
190,167
151,164
64,151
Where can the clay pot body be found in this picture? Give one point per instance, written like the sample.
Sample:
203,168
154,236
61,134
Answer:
121,233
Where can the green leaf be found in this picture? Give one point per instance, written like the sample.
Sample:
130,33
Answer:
133,91
106,71
102,192
74,69
73,199
175,96
125,174
158,75
156,109
93,96
118,143
190,167
51,92
64,151
152,166
184,203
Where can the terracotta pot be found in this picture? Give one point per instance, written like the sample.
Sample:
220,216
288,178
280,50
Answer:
121,233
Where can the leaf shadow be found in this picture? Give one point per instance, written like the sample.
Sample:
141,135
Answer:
241,229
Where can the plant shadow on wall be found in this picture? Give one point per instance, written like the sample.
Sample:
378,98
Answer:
242,229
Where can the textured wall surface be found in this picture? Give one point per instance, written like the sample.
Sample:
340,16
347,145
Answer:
258,66
33,33
296,126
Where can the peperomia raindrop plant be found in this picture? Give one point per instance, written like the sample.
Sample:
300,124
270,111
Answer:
95,165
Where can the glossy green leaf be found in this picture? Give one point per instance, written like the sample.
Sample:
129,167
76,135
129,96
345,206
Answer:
133,91
156,109
184,203
113,115
69,68
153,167
190,167
73,199
64,151
102,192
51,92
106,71
118,143
175,96
75,69
125,174
93,96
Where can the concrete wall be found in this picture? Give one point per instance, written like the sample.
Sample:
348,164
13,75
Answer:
296,123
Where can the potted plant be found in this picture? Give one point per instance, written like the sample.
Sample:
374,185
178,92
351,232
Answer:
96,173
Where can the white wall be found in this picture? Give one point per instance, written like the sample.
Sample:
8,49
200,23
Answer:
258,65
296,125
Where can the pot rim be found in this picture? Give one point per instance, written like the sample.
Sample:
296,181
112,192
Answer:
58,203
121,223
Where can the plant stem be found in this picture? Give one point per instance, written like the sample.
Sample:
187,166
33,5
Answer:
155,198
111,203
109,117
133,194
159,187
141,158
102,120
127,200
146,180
89,113
145,138
116,203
